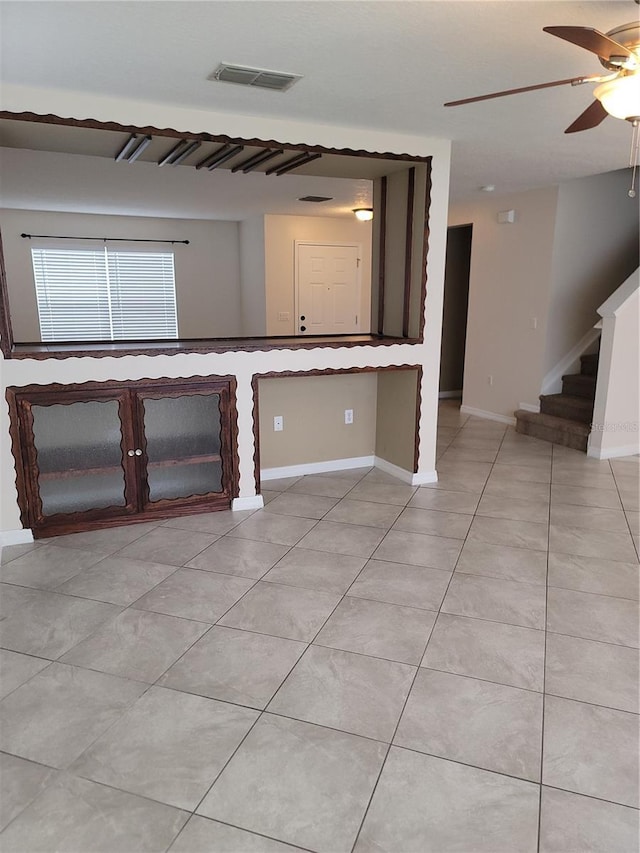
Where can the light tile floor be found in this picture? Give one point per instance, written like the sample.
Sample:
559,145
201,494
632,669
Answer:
361,666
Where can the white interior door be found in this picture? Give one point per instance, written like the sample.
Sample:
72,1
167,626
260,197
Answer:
327,289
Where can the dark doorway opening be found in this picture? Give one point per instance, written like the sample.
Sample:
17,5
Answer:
456,303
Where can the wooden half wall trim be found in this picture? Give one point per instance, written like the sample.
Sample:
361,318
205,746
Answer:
293,374
6,335
425,250
406,304
43,351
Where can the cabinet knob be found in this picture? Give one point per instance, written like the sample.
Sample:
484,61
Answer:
138,452
131,453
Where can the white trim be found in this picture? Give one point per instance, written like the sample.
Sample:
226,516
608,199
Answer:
15,537
317,467
488,416
611,306
448,395
613,452
552,382
530,407
253,502
404,475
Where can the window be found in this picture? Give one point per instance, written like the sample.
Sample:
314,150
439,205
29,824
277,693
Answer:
105,294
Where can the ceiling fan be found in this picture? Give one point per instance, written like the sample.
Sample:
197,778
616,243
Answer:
617,95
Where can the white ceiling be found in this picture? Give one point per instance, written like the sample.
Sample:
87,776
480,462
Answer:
381,64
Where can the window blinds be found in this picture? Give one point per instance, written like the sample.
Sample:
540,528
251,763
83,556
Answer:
105,294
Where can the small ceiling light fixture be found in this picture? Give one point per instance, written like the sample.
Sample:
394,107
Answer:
364,214
621,97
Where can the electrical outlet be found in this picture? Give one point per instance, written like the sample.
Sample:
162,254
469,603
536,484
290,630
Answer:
348,416
278,423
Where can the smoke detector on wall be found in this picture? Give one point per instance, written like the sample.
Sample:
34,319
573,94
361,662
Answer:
261,78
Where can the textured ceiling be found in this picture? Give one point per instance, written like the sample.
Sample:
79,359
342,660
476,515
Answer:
372,64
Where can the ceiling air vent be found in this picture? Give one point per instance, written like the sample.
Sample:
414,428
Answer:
277,81
316,199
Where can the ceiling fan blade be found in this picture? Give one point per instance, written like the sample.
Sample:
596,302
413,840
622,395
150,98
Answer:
574,81
592,40
591,117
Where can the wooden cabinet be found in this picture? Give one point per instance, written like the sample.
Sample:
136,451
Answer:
107,453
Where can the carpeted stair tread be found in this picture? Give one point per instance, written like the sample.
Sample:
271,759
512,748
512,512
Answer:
566,406
547,427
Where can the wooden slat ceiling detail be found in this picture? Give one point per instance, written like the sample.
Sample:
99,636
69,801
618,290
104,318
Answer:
109,143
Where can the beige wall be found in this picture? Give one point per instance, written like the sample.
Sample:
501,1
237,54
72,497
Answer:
396,417
595,250
207,270
253,309
509,286
281,232
313,411
568,249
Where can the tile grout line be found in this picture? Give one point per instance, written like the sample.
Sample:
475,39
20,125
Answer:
404,705
544,659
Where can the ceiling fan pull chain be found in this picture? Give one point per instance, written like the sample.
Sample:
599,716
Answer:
633,157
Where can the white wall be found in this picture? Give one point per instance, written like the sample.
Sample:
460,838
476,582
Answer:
595,250
509,286
243,365
207,270
281,232
616,414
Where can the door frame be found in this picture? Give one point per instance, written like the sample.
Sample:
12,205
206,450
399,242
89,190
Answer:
296,287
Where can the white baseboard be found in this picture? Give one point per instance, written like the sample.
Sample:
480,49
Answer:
317,467
406,476
613,452
449,395
344,465
488,416
530,407
15,537
253,502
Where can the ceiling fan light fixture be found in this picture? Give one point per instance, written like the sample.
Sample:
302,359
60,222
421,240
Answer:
621,97
364,214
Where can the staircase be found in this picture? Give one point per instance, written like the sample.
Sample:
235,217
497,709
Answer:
565,418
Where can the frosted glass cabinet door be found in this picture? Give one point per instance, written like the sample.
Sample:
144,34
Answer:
182,445
79,457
